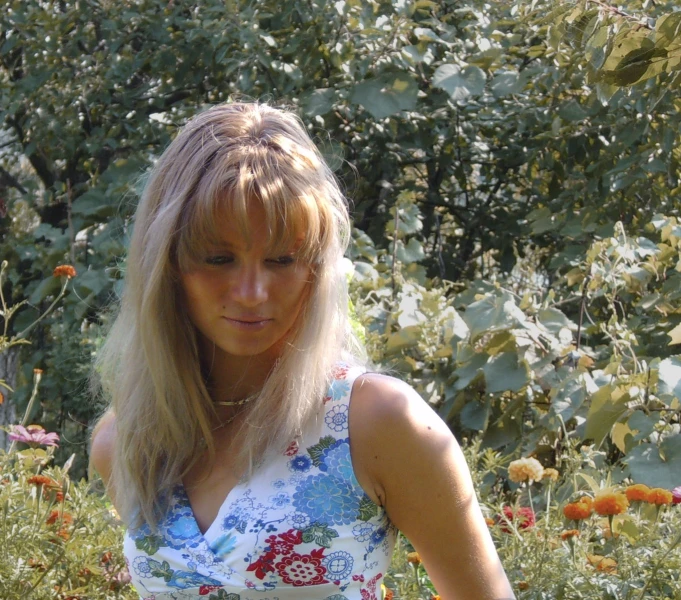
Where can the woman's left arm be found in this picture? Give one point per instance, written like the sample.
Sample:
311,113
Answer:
409,459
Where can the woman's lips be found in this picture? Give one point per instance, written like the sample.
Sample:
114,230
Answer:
248,324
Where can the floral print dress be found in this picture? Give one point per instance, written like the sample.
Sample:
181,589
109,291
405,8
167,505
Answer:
300,528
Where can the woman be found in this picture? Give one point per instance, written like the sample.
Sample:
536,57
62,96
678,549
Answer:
245,445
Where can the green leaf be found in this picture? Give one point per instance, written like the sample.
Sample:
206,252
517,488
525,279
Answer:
474,415
318,102
468,371
505,372
320,535
656,468
492,313
411,253
507,82
460,83
571,393
407,337
669,379
317,450
608,404
367,509
150,544
386,95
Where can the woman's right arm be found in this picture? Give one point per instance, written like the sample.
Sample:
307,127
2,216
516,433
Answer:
101,450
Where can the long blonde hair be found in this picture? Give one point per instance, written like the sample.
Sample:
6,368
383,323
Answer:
149,366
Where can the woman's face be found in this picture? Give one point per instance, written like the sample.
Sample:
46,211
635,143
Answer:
243,301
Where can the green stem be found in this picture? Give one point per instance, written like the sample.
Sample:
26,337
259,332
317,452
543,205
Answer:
29,408
25,332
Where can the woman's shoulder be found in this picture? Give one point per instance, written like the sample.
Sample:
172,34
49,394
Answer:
102,446
390,402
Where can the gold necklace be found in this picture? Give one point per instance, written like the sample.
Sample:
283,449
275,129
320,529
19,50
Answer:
236,402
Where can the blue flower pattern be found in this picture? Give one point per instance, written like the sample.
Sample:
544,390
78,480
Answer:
305,503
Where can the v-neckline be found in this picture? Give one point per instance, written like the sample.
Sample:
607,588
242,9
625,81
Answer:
205,535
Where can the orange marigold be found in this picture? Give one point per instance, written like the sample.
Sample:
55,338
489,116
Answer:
523,585
579,510
490,522
660,496
64,271
67,519
41,480
637,493
569,534
610,503
414,558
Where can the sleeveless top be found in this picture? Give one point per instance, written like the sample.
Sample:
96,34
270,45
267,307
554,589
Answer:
300,528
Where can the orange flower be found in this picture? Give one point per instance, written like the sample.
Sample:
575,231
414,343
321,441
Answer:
490,522
435,597
64,271
523,585
602,563
414,558
568,534
579,510
610,503
67,519
41,480
551,474
637,493
660,497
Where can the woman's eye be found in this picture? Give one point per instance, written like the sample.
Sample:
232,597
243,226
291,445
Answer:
282,260
218,260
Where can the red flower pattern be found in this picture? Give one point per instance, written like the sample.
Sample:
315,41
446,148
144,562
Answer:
204,590
303,569
369,592
292,449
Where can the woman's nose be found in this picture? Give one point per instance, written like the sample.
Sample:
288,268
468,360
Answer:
250,286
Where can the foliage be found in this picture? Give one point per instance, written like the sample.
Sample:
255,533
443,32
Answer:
59,539
632,556
519,370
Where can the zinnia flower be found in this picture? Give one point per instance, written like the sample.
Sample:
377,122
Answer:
660,496
524,516
610,503
64,271
551,474
676,495
577,511
524,469
33,434
637,493
568,534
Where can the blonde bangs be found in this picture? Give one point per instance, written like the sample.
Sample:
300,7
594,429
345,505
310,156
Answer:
297,219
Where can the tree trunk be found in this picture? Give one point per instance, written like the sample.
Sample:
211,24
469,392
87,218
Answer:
9,364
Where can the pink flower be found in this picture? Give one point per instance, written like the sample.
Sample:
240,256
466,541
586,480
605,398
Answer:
676,495
33,434
524,517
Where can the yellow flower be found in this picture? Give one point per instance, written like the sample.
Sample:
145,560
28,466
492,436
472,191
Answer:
414,558
610,503
524,469
551,474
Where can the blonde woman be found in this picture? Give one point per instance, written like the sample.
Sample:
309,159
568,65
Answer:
246,447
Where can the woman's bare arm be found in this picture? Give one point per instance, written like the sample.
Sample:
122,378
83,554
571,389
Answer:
417,471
